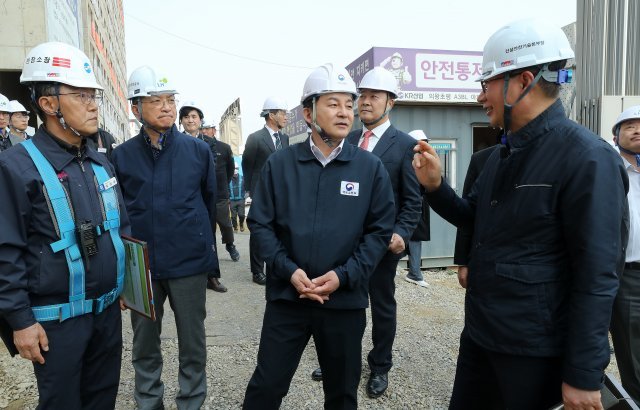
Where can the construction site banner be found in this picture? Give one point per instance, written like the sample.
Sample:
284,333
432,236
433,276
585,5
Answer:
231,127
441,76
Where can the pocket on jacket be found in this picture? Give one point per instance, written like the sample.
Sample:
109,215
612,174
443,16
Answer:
53,278
533,201
534,288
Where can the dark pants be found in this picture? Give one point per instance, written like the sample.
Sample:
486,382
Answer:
490,380
257,264
187,298
382,290
224,220
237,213
286,330
625,332
82,366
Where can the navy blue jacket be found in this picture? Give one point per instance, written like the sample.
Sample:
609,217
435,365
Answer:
30,273
309,217
171,202
395,150
547,235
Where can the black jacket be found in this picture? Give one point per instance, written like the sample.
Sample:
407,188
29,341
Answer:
30,273
465,234
257,149
339,217
548,232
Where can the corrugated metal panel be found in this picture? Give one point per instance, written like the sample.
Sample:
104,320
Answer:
607,54
633,49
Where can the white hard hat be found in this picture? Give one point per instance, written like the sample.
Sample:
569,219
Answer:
379,79
208,124
522,44
193,106
418,135
145,81
58,63
274,103
630,113
15,106
327,79
4,103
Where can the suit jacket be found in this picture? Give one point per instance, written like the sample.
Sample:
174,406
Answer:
256,151
395,150
465,235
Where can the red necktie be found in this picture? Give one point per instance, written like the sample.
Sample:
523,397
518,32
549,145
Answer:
365,140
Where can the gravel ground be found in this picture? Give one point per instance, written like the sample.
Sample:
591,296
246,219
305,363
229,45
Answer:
425,350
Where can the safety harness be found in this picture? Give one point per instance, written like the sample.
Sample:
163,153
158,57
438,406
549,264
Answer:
68,242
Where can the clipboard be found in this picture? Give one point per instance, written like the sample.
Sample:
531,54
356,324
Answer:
137,292
613,396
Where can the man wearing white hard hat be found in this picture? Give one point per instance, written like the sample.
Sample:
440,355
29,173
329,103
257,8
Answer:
169,186
61,256
547,212
378,91
323,215
259,146
5,142
18,122
625,322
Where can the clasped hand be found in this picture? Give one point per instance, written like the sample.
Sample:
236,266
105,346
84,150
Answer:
317,289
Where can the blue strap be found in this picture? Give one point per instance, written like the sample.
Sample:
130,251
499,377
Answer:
66,226
111,224
77,304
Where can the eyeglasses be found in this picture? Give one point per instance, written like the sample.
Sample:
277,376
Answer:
20,115
484,83
88,98
4,114
159,103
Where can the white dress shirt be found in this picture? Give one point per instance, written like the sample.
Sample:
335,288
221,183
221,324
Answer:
377,134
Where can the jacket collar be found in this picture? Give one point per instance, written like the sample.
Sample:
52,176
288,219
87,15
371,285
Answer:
54,152
537,127
304,151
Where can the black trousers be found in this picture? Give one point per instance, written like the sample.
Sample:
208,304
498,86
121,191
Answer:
286,330
223,219
257,264
490,380
237,213
382,290
625,332
82,366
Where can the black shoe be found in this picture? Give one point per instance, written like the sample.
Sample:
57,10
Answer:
259,278
215,285
233,252
317,375
377,384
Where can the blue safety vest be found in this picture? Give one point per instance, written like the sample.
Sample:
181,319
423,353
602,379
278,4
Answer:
60,203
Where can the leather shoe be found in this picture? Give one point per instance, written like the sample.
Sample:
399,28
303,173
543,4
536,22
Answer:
215,285
377,384
317,375
260,278
233,252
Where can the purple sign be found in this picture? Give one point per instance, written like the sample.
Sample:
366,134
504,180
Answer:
444,76
295,123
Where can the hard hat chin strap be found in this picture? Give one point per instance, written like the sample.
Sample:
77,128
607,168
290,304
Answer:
384,114
508,107
325,137
59,115
629,152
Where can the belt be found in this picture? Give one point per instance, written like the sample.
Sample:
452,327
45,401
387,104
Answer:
632,265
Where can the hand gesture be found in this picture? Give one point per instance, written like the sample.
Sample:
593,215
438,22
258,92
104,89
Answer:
426,164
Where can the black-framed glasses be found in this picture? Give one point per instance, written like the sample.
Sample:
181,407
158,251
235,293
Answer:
87,98
20,115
